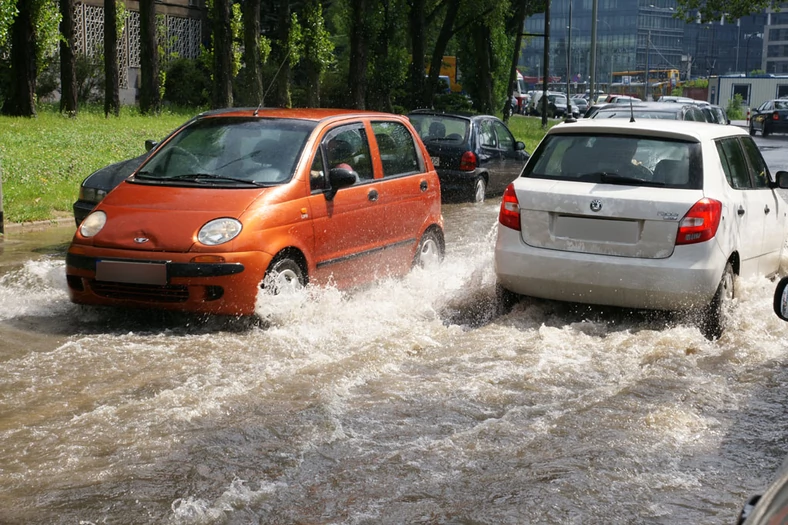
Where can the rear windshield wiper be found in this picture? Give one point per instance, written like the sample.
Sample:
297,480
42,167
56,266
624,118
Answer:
613,178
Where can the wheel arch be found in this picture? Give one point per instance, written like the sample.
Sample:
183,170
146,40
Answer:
291,252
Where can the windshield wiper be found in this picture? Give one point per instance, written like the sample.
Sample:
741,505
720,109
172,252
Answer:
614,178
209,177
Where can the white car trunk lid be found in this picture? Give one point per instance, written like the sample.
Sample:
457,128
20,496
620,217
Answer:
625,221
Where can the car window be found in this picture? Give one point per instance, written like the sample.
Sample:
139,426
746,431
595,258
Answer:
618,159
317,174
445,129
505,138
348,147
258,150
780,104
626,112
733,163
486,134
397,149
760,172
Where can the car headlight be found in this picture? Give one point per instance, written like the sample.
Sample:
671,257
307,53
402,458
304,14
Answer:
219,231
93,224
94,195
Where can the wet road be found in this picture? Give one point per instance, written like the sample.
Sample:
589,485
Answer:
410,401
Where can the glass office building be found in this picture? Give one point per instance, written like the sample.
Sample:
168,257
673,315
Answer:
633,35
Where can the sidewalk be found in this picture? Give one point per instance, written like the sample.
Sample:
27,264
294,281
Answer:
740,123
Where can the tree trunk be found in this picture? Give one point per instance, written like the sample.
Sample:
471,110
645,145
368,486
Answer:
253,84
519,23
312,83
359,54
282,79
483,56
150,100
111,77
68,62
418,48
446,32
222,55
21,96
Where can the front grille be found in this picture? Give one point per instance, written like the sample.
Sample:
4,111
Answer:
141,292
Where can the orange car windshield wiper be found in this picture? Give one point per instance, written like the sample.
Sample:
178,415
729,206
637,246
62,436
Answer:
209,177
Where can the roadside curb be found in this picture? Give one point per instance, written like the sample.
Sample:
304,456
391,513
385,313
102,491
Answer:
34,226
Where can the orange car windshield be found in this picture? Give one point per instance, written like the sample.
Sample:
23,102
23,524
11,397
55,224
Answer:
230,151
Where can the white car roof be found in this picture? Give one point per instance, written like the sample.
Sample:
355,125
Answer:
675,129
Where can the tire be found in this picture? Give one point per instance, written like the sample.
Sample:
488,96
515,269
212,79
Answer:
505,299
765,131
430,251
752,129
478,189
284,275
714,315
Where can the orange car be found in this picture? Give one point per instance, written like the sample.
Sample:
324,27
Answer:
240,199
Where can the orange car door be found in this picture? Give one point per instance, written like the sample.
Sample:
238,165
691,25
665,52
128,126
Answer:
407,190
347,224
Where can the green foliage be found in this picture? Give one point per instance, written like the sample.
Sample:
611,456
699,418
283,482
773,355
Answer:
47,19
315,42
187,83
712,10
735,108
90,78
697,83
7,13
677,91
42,186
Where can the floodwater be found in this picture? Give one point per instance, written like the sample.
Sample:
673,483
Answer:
410,401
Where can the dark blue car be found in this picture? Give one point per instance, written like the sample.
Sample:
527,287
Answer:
474,155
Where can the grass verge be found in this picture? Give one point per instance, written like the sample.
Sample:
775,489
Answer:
44,159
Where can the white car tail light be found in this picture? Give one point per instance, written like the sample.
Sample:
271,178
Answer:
509,215
700,223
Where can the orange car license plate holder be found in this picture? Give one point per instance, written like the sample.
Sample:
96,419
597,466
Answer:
132,272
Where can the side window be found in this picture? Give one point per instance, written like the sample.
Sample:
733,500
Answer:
486,134
733,163
318,178
397,149
505,138
760,172
348,147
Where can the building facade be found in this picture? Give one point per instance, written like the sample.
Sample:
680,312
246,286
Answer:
180,35
635,35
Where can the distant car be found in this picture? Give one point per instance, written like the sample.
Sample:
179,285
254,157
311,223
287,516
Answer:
673,98
96,185
240,200
557,107
581,103
474,155
659,215
650,110
770,117
715,114
622,99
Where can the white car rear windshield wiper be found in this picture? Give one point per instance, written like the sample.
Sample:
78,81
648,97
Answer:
614,178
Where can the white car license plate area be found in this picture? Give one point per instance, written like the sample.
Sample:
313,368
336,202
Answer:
132,272
436,161
596,230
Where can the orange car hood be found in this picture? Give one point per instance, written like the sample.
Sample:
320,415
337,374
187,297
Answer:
168,217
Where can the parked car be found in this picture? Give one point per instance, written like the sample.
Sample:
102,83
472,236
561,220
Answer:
677,99
770,117
581,103
474,155
557,104
715,114
96,185
661,215
621,99
650,110
241,198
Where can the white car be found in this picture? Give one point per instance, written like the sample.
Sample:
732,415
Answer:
659,215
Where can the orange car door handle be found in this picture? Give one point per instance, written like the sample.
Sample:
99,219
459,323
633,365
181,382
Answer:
766,209
423,186
740,211
372,195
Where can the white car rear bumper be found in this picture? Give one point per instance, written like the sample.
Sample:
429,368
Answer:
688,278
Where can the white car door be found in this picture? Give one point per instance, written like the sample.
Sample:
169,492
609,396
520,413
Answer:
745,203
773,208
